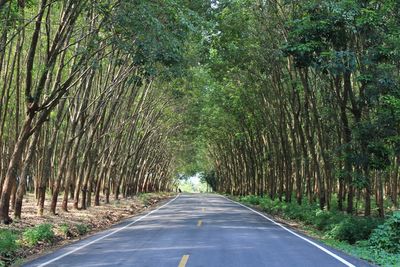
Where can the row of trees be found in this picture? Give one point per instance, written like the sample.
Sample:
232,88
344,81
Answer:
83,111
302,100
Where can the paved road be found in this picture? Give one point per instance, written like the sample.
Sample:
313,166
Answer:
197,230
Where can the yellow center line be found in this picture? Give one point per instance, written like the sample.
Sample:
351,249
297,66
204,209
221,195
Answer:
199,223
183,261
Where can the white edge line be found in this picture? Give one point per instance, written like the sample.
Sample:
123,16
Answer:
104,236
299,236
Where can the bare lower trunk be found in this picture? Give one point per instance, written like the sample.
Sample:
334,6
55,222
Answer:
24,174
42,197
12,171
381,207
70,174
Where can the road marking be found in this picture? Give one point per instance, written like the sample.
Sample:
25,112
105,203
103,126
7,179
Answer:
107,235
203,209
299,236
199,223
183,261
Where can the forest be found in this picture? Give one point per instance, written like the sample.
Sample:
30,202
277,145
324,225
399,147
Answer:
300,101
294,101
86,105
297,111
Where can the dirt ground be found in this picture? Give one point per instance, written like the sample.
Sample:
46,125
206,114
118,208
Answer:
93,219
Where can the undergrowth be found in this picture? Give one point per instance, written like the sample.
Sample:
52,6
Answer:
8,246
41,233
370,238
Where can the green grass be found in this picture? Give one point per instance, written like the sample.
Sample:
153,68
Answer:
145,198
82,229
8,242
64,228
40,233
372,239
387,236
9,246
362,250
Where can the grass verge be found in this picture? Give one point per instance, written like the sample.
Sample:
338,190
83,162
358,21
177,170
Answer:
372,239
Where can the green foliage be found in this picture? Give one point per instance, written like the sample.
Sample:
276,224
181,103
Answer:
346,232
82,229
209,178
362,250
158,36
387,236
8,243
251,199
353,229
335,224
186,186
65,229
145,198
324,220
40,233
193,184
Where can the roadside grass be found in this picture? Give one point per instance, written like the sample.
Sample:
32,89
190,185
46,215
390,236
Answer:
373,239
41,233
8,246
65,230
148,199
82,228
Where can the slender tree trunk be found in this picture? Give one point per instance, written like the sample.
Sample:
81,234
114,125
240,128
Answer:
12,171
24,174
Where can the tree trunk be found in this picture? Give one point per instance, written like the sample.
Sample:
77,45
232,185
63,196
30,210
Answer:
24,174
11,175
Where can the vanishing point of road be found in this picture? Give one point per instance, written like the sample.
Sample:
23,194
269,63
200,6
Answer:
198,230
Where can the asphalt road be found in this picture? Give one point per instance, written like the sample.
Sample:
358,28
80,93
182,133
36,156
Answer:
198,230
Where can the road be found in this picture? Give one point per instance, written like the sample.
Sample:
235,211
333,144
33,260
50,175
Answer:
198,230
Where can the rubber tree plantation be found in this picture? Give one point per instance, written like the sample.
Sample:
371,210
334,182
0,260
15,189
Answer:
290,105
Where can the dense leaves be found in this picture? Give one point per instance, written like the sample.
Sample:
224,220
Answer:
387,235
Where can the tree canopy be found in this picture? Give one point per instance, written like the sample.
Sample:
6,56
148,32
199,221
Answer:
295,100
